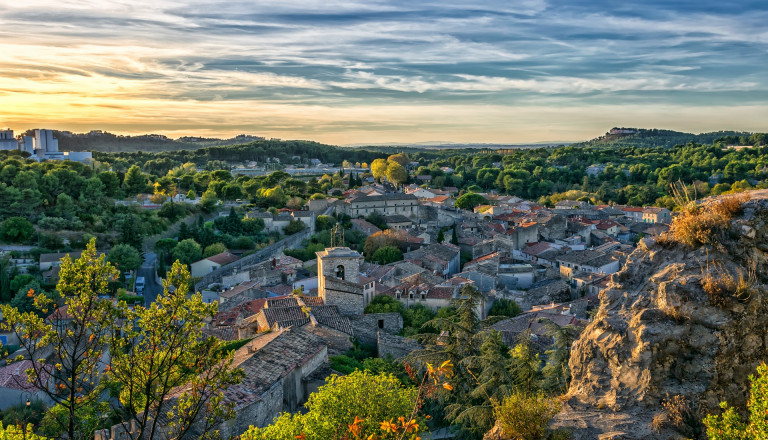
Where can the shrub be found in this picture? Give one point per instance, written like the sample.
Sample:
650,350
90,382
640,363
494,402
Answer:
523,416
729,424
720,285
683,415
705,224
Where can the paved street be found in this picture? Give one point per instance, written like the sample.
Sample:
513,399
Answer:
147,270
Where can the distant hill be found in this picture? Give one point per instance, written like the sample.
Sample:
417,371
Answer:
642,137
105,142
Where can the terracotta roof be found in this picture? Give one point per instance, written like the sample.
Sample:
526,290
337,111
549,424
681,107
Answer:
276,354
536,248
440,293
223,258
484,258
632,209
14,376
55,257
439,199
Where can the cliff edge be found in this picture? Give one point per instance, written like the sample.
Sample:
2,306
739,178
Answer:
679,329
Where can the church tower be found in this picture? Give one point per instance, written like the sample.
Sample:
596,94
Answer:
338,279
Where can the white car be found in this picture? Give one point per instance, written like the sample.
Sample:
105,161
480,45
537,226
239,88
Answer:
139,286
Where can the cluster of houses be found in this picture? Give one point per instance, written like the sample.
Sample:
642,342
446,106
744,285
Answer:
551,261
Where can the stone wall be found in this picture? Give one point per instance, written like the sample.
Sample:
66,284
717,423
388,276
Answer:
347,296
257,257
367,326
395,346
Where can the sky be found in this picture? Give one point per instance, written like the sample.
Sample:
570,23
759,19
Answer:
373,72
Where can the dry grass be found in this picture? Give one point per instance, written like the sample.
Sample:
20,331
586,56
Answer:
706,224
721,285
682,414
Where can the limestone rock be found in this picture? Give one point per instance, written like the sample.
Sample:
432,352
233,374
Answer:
658,334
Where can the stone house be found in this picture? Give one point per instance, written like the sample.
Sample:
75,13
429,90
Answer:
209,264
385,204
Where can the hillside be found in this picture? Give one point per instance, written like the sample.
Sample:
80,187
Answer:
102,141
681,323
641,137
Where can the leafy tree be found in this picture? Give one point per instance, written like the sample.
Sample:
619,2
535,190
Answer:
164,351
379,168
76,336
468,201
294,226
396,173
384,304
324,222
6,293
214,249
135,181
124,257
386,255
187,251
504,307
399,158
17,230
343,400
390,237
166,245
209,200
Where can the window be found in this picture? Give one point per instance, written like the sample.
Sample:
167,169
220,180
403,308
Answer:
381,323
340,272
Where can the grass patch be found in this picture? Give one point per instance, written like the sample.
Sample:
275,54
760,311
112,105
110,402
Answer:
706,224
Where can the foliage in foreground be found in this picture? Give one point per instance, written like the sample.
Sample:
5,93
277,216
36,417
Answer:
730,426
155,351
526,416
353,406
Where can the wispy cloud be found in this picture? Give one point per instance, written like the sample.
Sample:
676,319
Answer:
383,68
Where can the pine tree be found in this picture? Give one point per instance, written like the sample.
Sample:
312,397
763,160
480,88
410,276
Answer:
454,237
440,236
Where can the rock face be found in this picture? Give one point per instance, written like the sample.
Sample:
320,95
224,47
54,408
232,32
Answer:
659,334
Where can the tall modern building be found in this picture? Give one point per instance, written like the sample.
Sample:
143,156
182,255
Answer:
7,140
45,144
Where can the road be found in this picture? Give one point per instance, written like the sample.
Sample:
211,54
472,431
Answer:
147,270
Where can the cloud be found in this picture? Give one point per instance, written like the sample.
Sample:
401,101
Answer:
70,62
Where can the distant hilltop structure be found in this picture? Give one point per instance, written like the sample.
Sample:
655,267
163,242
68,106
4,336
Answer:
622,131
41,146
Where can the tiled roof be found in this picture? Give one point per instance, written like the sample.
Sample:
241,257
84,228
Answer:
385,197
52,258
312,301
536,248
440,293
223,258
285,316
282,301
280,289
276,354
14,376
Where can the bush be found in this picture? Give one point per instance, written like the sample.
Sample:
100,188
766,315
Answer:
505,307
523,416
345,364
721,285
729,424
706,224
294,226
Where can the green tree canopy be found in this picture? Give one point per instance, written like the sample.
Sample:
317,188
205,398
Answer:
386,255
17,230
124,257
468,201
373,399
187,251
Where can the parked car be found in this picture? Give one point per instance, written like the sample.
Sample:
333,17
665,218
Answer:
139,286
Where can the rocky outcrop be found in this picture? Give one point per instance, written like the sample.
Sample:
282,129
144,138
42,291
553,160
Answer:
660,332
